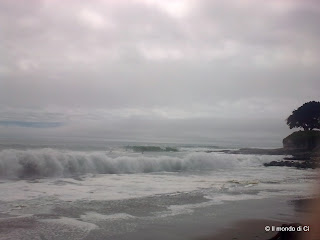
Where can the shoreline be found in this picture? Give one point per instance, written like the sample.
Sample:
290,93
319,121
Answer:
232,220
240,220
298,158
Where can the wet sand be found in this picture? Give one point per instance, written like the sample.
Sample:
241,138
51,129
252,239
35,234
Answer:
255,229
234,220
250,229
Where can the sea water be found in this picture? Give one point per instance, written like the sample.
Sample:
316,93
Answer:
111,189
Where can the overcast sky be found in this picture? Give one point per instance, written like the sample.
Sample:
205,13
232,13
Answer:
162,69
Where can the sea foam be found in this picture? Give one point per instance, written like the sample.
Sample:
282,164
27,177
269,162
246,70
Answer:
48,162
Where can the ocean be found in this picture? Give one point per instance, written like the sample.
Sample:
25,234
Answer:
129,190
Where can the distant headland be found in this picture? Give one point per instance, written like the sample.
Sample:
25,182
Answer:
302,146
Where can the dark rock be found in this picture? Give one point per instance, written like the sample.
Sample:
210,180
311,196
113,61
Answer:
296,164
298,157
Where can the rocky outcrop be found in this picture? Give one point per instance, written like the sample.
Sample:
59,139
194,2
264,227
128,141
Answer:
304,146
302,140
296,164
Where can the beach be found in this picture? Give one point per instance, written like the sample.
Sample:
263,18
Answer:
244,219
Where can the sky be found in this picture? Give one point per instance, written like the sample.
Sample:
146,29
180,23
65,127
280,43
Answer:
187,70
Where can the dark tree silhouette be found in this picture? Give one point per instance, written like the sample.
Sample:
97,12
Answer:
307,116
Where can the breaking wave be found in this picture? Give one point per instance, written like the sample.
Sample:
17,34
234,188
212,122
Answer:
58,163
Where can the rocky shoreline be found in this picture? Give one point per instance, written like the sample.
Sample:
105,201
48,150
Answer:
298,158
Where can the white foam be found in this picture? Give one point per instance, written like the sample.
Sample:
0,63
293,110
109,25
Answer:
125,186
211,173
59,163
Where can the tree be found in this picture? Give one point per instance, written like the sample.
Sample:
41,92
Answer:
307,116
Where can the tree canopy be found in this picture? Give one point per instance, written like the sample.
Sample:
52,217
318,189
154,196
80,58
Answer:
307,117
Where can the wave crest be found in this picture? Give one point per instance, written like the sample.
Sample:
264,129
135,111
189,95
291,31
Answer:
58,163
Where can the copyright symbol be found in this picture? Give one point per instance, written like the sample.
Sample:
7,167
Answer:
267,228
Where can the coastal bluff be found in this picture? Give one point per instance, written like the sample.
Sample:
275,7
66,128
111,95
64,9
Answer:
302,140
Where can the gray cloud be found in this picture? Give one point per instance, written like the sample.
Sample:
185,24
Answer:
103,62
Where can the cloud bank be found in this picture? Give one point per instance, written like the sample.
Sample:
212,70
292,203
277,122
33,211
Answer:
115,65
